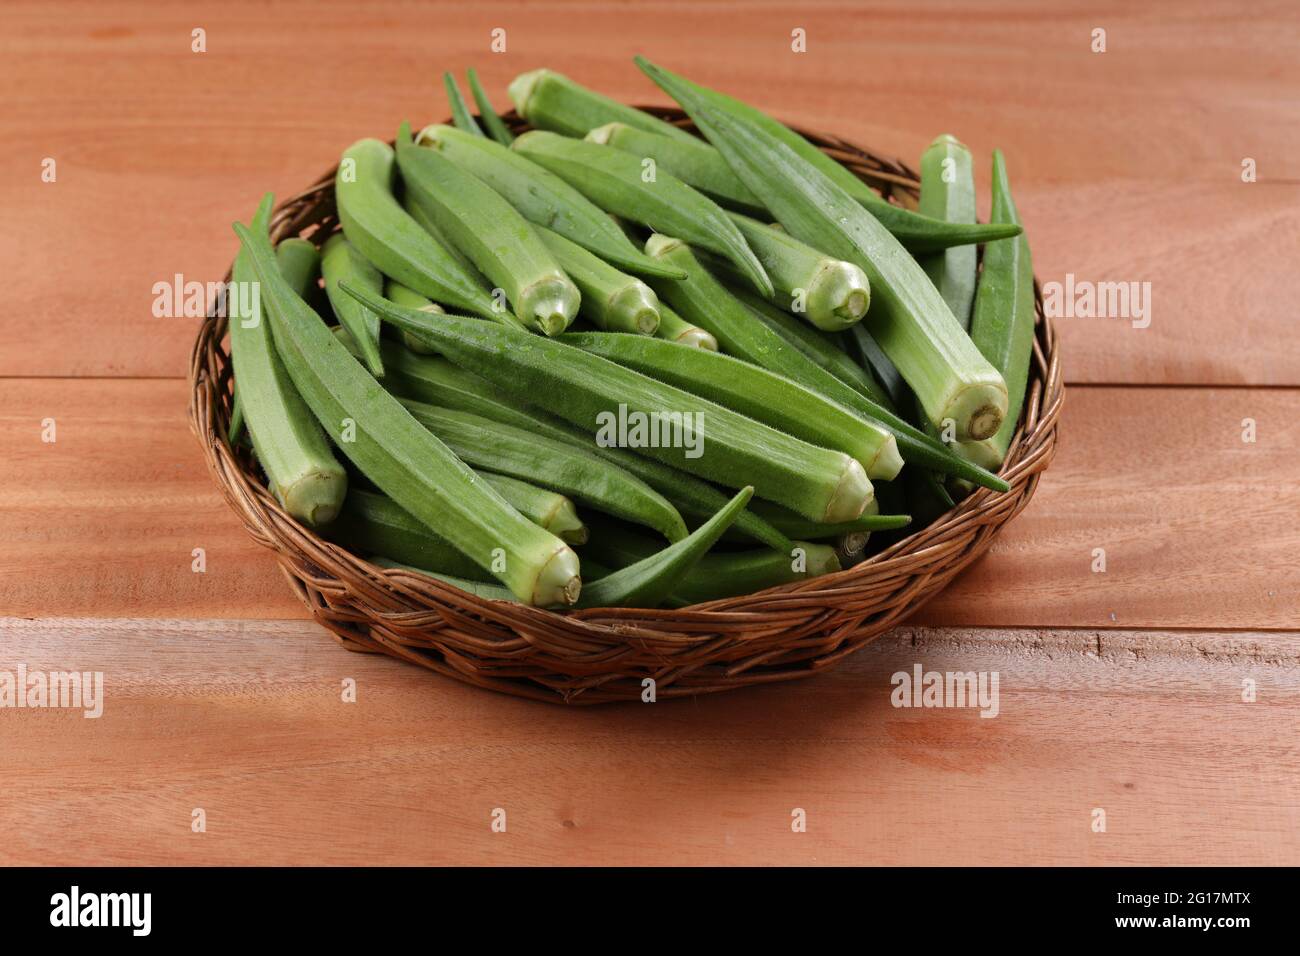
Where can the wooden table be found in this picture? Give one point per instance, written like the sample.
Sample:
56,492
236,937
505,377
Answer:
1120,691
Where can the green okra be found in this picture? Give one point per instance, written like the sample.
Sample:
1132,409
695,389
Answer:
611,300
616,182
753,391
824,291
299,262
481,589
917,233
550,100
548,509
436,381
719,574
704,301
371,522
396,292
676,329
291,447
649,581
801,529
507,450
816,345
691,160
388,237
541,197
496,126
341,260
1002,325
423,215
403,459
496,238
598,396
542,506
460,114
871,359
948,374
948,194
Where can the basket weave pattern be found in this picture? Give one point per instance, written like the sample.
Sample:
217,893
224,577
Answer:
600,655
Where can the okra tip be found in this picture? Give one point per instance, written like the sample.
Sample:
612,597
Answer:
946,139
603,134
559,581
637,302
316,495
838,296
521,89
659,245
851,494
550,303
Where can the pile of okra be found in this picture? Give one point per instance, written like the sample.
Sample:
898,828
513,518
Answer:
610,362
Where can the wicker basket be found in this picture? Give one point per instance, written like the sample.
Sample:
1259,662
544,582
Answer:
599,655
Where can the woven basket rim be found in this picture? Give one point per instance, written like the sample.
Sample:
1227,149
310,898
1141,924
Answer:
599,654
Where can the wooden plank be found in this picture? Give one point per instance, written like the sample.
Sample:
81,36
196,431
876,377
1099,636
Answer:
106,518
1196,524
245,721
159,149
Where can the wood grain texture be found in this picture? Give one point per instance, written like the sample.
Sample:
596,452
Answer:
246,721
221,696
1126,164
1197,525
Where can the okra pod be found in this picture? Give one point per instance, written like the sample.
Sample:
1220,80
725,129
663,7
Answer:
648,582
549,509
550,100
436,381
507,450
301,470
541,197
341,260
460,114
401,457
917,233
543,507
616,182
692,160
372,522
611,300
871,359
948,193
599,396
492,592
799,528
815,345
396,292
826,292
704,301
1002,325
948,374
388,237
496,126
423,215
720,574
499,241
299,262
676,329
753,391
